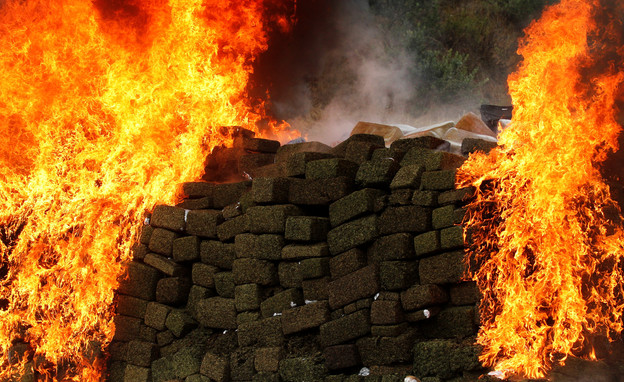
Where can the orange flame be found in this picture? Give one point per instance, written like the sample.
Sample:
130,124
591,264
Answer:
104,107
545,253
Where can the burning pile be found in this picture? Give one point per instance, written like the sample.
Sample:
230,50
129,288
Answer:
548,258
102,105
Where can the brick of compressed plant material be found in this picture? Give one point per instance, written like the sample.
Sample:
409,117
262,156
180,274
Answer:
427,243
241,364
466,293
452,237
388,152
306,228
203,223
196,190
347,262
197,378
354,205
140,282
404,219
116,370
142,353
350,308
315,289
267,359
248,316
196,204
156,315
341,149
269,247
224,284
139,251
146,233
270,219
161,241
454,322
352,234
265,247
354,286
264,332
247,297
319,192
433,358
203,274
386,350
432,160
254,271
187,361
131,306
459,214
396,275
359,152
425,198
421,296
195,294
456,196
407,177
186,249
217,312
147,334
266,376
297,162
180,323
248,162
364,303
270,190
422,315
426,142
164,338
215,367
162,370
168,217
117,350
135,373
388,296
438,180
286,151
471,145
401,197
301,369
127,328
299,252
341,357
289,274
305,317
345,328
229,229
386,312
173,290
281,301
261,145
231,211
229,193
399,246
314,268
330,168
377,173
443,217
217,254
163,264
389,330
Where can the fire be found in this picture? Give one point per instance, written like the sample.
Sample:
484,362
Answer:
104,107
548,249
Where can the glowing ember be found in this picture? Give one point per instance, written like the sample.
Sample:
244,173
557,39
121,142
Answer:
104,107
545,255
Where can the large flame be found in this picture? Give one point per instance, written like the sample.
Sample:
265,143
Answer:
104,107
545,253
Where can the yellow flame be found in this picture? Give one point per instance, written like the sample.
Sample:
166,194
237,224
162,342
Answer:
104,108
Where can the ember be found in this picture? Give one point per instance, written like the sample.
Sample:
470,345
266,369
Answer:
546,256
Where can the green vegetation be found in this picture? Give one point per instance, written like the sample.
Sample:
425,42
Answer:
462,49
